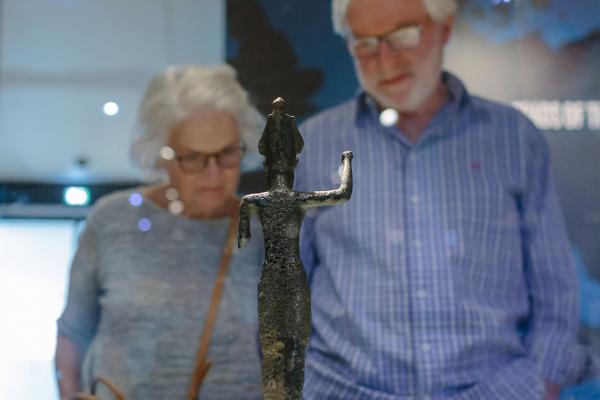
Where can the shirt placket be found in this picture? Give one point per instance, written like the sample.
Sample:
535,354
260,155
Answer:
418,265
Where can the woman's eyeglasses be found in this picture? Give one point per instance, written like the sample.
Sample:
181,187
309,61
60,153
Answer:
196,161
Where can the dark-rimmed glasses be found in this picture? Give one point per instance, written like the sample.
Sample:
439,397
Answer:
196,161
406,37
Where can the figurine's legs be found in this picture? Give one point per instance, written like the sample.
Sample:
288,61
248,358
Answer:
284,327
283,367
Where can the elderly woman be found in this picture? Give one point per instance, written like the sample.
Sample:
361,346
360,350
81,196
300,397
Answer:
142,278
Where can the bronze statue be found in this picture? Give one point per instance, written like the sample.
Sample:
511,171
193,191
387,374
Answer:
283,292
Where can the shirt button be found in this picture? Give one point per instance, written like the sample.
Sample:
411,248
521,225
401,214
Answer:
425,347
414,198
395,235
418,244
421,294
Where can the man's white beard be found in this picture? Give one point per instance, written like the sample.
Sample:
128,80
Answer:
424,86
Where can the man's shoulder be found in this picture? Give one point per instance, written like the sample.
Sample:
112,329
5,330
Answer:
482,104
478,108
504,116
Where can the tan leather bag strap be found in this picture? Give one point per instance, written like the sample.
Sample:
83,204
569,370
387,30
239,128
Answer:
202,364
116,392
111,386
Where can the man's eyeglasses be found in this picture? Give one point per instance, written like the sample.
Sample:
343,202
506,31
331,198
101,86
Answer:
227,158
407,37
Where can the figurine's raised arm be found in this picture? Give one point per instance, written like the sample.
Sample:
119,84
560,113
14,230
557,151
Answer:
247,207
337,196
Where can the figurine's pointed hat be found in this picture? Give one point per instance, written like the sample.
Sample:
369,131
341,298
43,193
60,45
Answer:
281,141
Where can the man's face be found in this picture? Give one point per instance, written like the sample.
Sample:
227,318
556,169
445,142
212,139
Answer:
401,79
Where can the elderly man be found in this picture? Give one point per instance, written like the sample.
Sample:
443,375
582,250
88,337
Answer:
448,275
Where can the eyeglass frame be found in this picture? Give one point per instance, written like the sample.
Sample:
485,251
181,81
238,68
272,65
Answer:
198,155
351,40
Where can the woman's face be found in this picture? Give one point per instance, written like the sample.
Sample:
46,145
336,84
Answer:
205,191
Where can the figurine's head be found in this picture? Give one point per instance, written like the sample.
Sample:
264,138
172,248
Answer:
280,143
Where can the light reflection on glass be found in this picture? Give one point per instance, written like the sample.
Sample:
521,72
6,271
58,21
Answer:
388,117
176,207
136,199
172,194
144,225
167,153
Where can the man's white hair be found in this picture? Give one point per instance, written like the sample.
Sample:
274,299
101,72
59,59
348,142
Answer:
438,10
175,94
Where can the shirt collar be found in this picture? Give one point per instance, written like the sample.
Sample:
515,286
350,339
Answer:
367,112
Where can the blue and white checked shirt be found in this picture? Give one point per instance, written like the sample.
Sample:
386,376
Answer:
448,275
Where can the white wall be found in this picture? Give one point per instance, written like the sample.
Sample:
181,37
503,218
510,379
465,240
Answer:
61,60
34,260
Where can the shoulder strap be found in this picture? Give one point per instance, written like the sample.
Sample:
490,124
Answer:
114,390
202,364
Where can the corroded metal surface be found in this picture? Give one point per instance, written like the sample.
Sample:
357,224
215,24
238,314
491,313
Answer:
283,293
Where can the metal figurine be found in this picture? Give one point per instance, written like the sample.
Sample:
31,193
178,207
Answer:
283,293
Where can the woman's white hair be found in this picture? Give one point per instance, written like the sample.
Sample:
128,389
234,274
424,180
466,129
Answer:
175,94
438,10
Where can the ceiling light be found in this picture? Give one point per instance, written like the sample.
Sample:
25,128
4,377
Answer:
110,108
